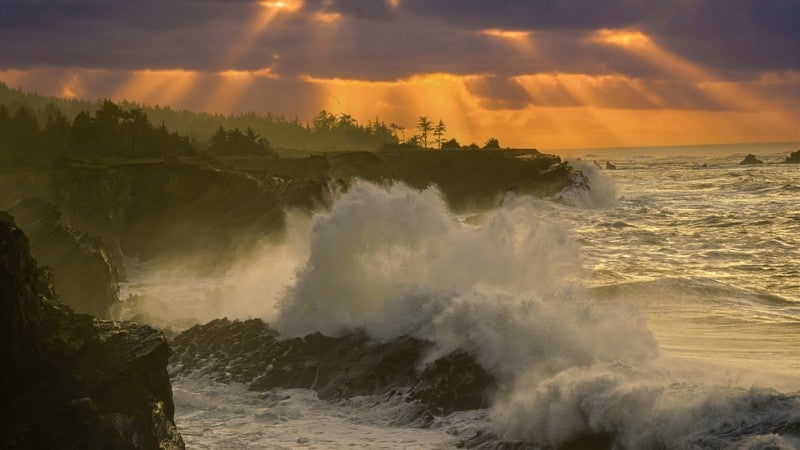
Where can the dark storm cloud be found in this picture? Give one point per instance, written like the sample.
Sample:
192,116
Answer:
500,93
734,38
732,35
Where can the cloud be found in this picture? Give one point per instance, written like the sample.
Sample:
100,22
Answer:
519,62
500,93
733,39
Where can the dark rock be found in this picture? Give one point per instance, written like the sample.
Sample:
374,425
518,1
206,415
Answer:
610,166
69,381
750,159
793,158
204,218
84,273
337,368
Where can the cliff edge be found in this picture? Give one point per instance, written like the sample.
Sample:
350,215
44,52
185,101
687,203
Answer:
68,380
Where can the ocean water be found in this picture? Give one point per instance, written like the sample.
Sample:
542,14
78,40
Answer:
662,307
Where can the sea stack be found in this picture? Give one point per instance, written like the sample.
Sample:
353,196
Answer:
793,158
750,159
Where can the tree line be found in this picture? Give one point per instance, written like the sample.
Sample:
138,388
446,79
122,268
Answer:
29,136
35,127
428,130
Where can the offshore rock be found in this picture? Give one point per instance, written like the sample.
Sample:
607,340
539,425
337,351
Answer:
610,166
69,381
750,159
336,368
85,274
793,158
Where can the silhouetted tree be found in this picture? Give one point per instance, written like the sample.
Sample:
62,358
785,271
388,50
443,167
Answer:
235,142
491,144
424,126
452,143
401,129
439,131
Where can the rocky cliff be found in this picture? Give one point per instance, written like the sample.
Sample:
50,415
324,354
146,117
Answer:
84,272
68,380
207,215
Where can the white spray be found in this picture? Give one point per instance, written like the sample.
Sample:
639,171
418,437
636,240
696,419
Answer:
394,261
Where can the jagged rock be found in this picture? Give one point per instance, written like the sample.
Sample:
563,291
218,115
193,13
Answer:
793,158
68,380
750,159
337,368
610,166
85,275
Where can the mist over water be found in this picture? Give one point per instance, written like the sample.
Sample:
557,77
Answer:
622,311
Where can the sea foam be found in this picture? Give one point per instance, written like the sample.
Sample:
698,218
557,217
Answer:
394,261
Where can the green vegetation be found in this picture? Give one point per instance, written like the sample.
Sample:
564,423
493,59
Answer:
110,133
36,129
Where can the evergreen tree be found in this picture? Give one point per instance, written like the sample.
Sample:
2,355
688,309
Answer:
439,131
424,126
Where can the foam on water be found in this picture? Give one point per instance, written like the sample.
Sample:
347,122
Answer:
217,416
700,259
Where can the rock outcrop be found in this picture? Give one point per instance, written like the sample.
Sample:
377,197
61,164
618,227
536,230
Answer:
336,368
467,179
793,158
68,380
84,273
750,159
610,166
208,216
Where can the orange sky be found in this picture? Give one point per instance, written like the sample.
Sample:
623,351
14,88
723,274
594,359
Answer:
549,106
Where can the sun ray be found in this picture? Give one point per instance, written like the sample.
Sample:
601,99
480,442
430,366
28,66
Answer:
268,11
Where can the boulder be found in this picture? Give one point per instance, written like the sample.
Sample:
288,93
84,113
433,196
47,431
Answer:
750,159
71,381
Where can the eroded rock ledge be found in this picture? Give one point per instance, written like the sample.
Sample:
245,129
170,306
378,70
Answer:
336,368
68,380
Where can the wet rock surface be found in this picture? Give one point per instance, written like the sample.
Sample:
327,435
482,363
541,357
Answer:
336,368
68,380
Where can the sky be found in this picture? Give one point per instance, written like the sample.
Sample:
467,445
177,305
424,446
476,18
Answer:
535,73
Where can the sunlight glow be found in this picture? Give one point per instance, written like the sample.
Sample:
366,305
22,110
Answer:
72,88
284,5
729,94
162,87
267,14
232,86
566,109
623,38
511,35
326,17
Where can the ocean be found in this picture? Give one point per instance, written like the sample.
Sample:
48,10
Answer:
661,307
